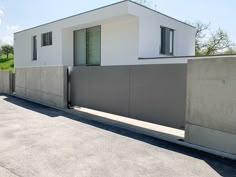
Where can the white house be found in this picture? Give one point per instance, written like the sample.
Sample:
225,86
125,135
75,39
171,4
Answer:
118,34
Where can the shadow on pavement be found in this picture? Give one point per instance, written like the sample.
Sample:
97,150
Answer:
224,167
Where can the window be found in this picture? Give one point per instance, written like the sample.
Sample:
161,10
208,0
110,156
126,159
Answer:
47,39
34,47
167,41
87,46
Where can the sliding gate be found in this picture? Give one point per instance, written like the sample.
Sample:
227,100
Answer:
152,93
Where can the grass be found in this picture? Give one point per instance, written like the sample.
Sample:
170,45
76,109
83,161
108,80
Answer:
7,64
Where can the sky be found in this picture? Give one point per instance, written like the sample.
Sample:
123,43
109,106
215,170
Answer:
16,15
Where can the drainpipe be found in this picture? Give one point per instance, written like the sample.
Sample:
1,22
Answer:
69,70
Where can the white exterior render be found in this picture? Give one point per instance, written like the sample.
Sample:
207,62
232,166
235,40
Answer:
129,32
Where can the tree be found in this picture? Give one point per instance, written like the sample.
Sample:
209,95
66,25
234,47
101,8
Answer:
7,49
210,43
218,40
200,35
230,51
146,3
0,47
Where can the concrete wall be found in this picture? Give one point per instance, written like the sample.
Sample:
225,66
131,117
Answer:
46,85
211,104
5,82
128,31
153,93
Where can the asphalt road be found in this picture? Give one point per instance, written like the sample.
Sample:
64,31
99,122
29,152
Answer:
37,141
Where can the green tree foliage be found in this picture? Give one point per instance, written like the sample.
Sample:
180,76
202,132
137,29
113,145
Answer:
218,40
230,51
210,43
200,35
7,49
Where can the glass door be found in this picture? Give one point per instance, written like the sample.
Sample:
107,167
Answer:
87,46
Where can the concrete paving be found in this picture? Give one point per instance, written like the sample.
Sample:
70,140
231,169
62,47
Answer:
43,142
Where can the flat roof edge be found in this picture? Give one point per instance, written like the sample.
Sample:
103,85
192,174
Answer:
188,57
103,8
162,14
72,16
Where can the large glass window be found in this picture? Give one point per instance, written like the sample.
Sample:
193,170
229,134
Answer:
167,41
87,46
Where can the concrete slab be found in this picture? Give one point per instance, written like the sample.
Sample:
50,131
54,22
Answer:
155,130
158,131
6,173
5,82
211,138
46,85
40,141
211,102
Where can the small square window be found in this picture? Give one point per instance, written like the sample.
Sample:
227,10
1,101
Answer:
46,39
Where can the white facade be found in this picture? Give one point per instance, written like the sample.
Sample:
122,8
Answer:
128,32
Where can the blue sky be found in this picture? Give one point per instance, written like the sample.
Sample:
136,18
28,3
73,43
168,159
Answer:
17,15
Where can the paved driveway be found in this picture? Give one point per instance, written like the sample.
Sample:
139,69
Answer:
37,141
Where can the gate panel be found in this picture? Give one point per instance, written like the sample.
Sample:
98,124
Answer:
153,93
101,88
158,94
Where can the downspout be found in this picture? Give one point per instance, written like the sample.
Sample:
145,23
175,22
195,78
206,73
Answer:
69,71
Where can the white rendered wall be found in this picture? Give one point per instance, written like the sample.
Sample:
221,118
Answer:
150,34
119,44
119,41
60,53
129,31
47,55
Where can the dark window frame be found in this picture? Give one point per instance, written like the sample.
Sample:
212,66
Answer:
165,41
46,39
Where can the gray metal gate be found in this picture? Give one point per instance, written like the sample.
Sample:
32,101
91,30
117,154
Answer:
153,93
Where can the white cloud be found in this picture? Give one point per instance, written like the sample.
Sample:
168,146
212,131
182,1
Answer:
1,13
13,28
7,34
7,39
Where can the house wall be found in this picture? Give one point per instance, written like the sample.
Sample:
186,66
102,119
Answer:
61,52
150,34
115,48
211,103
119,43
129,31
47,55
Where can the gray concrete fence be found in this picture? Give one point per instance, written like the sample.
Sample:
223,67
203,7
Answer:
46,85
6,82
153,93
211,104
200,98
